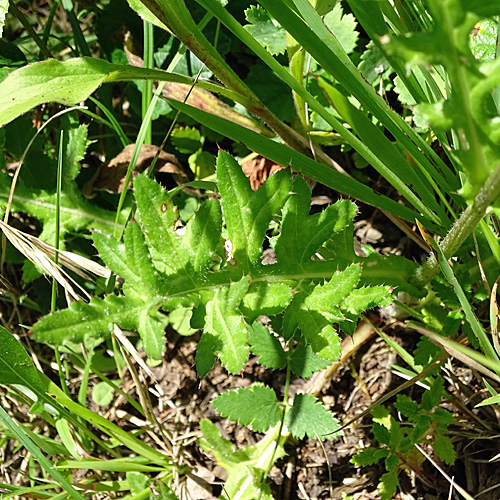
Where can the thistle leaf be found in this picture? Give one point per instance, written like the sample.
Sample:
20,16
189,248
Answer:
224,322
248,213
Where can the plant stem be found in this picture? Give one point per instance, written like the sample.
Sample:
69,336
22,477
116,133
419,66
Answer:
461,229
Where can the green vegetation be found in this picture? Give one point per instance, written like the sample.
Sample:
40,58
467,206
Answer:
355,98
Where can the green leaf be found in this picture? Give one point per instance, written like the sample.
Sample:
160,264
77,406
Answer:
256,406
331,346
137,481
444,449
264,344
381,433
131,261
225,323
301,234
432,397
16,366
247,213
308,416
266,299
186,140
203,232
303,361
103,393
266,31
159,216
244,467
364,298
321,306
95,319
442,416
406,406
343,27
369,456
68,83
388,485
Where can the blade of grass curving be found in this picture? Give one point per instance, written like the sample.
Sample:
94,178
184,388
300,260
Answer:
314,105
284,155
25,440
147,86
113,121
145,125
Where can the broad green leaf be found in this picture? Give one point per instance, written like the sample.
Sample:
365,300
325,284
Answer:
268,33
204,234
442,416
103,394
205,353
264,344
256,406
266,299
381,433
432,397
303,361
68,83
131,261
16,366
323,305
247,213
308,416
152,333
330,344
406,406
301,234
225,323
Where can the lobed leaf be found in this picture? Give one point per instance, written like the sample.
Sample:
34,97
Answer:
225,324
301,234
131,261
247,213
256,406
96,319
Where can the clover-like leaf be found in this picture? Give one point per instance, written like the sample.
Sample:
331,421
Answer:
256,406
308,416
266,31
303,361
